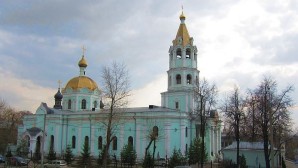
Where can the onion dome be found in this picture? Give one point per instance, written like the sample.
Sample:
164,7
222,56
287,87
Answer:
83,62
81,82
182,16
58,95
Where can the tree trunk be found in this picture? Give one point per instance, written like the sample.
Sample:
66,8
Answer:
202,132
147,148
266,145
108,140
154,147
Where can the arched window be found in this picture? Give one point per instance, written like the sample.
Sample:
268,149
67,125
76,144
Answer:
83,104
52,142
178,53
114,143
187,53
170,80
186,131
155,131
100,142
69,104
178,79
95,104
87,140
195,57
130,140
177,105
188,79
73,142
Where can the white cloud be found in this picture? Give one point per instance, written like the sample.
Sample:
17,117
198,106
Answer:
23,94
150,93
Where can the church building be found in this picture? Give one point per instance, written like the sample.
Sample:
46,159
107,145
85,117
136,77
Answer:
76,116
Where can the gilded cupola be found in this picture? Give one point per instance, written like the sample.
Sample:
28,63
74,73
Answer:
83,62
81,81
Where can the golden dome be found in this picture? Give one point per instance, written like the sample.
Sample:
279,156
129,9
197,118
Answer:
182,17
81,82
82,62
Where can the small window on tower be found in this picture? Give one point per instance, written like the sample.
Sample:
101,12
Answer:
178,53
187,53
170,80
177,105
69,104
178,79
83,104
188,79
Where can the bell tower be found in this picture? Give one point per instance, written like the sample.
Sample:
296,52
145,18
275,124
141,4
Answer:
182,73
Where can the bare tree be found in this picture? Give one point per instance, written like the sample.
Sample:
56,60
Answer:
116,90
233,109
9,121
272,114
205,98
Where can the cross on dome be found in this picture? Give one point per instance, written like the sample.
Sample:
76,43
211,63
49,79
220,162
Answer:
83,49
59,82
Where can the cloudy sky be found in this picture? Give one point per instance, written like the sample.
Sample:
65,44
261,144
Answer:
238,42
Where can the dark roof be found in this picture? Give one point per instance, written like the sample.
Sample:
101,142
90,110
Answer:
49,111
34,131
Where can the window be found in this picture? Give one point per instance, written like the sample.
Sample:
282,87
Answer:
195,56
37,148
178,79
155,131
73,142
95,104
178,53
187,53
130,140
52,142
170,80
87,140
197,80
83,104
114,143
186,131
69,104
100,142
177,105
188,79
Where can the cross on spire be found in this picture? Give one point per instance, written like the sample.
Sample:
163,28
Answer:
59,82
84,50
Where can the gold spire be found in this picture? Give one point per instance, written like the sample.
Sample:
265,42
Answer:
182,37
